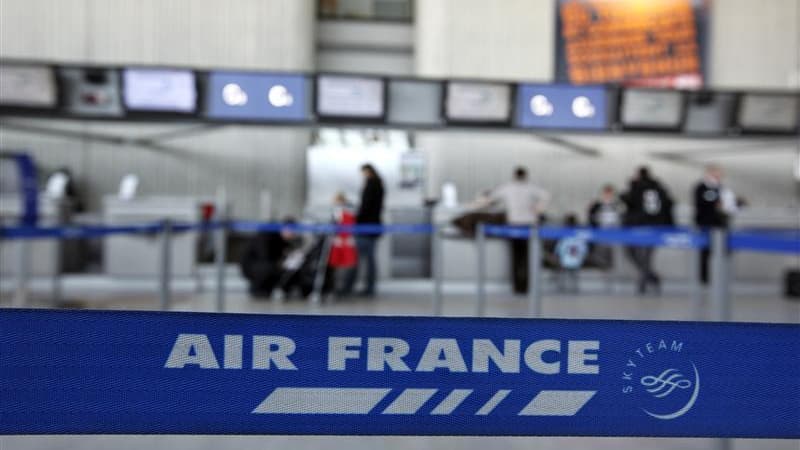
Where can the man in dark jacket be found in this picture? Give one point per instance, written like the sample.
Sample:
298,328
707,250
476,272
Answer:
648,204
369,212
713,205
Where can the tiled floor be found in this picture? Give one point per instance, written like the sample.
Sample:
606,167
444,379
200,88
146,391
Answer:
750,303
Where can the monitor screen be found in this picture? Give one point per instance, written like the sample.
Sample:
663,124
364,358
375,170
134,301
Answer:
634,42
415,102
768,112
709,113
478,102
561,107
159,90
257,96
27,86
648,108
350,97
91,92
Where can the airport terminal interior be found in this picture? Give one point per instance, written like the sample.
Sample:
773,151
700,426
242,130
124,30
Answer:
559,159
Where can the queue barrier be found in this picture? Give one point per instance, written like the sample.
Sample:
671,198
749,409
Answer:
286,399
365,229
673,237
780,241
766,241
134,372
97,231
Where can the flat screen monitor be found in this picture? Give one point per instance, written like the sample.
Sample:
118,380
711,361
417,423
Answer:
159,90
649,108
257,97
478,102
768,112
91,92
561,107
415,103
709,113
27,86
350,97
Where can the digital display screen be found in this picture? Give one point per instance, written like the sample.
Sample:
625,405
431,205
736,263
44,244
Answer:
645,43
91,92
159,90
769,112
350,97
478,102
709,113
561,107
415,102
256,96
646,108
27,86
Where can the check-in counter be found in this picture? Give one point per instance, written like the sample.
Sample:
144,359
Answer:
140,256
459,253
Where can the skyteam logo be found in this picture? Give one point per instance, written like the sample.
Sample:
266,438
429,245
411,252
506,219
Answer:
661,380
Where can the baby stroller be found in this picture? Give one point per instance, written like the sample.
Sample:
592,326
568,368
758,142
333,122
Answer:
304,270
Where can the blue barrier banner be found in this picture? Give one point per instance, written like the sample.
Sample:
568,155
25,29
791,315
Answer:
637,236
119,372
96,231
787,241
78,231
365,229
508,231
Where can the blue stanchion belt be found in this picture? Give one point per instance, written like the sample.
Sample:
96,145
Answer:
785,241
363,229
96,231
114,372
639,236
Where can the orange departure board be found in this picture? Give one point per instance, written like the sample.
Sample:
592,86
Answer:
603,41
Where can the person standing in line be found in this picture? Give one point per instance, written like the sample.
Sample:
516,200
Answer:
370,211
714,204
523,202
648,205
571,253
343,257
605,212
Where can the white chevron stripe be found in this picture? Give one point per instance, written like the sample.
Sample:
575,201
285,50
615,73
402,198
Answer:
451,402
489,406
285,400
557,403
409,401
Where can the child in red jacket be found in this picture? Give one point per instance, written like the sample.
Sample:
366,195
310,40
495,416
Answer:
343,256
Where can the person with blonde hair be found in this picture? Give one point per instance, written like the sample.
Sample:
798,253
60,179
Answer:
343,256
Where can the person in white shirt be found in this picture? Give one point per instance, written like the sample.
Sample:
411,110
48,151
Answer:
523,203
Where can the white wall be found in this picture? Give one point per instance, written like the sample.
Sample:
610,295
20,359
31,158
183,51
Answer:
508,39
755,44
248,34
266,34
384,48
752,44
